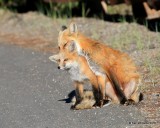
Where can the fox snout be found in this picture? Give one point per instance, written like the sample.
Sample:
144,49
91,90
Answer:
61,67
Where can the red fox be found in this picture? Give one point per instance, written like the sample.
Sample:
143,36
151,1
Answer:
106,63
80,72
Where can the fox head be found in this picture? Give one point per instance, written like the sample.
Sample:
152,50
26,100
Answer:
65,61
67,38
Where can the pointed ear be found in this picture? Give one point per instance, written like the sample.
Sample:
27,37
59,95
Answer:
63,28
73,28
71,46
54,58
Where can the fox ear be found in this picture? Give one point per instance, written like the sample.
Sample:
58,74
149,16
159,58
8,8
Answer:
54,58
63,28
73,28
72,46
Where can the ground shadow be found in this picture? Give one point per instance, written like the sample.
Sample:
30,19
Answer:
70,97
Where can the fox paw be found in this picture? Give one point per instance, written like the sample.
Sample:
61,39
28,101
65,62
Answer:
73,107
98,104
129,102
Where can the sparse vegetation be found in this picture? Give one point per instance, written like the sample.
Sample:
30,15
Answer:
57,10
11,3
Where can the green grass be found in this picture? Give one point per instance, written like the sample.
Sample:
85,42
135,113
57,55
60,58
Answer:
57,10
9,3
84,12
62,10
122,9
54,10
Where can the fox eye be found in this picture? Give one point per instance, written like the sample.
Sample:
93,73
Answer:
65,59
58,47
58,60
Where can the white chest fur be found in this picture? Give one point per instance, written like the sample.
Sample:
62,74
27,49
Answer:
76,74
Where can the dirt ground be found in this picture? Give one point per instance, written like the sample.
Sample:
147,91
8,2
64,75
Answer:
36,31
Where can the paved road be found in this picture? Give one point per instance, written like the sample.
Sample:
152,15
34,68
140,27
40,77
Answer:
31,87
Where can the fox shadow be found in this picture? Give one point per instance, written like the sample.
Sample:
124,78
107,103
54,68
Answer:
71,95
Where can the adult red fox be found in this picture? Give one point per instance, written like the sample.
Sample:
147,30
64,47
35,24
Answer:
80,72
106,63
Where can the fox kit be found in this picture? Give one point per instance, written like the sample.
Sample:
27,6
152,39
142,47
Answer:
106,63
80,72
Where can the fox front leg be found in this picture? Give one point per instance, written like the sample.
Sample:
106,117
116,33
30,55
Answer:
102,85
79,93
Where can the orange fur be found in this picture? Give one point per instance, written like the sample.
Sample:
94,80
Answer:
109,60
85,71
105,56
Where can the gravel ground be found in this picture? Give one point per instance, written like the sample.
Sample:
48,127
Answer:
31,87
